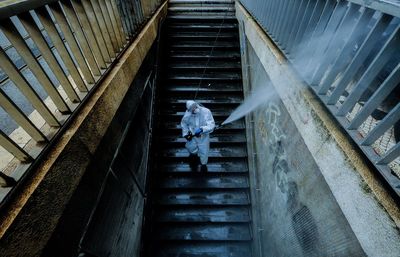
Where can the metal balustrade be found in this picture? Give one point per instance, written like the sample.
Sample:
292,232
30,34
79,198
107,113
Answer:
52,54
348,52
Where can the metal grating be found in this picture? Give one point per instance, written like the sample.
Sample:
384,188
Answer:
348,52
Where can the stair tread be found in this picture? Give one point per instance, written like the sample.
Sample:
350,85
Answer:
216,106
200,44
213,167
203,249
170,118
214,14
210,15
202,8
200,1
210,198
209,87
211,3
220,138
217,232
206,54
203,65
200,25
228,99
181,113
227,18
206,34
206,76
205,182
203,95
232,151
202,89
228,127
203,214
219,117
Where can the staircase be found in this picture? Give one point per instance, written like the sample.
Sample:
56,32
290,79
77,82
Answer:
198,213
190,8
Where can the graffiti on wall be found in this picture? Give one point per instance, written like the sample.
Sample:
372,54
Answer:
285,178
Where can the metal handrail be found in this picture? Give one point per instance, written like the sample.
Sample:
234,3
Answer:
53,54
348,52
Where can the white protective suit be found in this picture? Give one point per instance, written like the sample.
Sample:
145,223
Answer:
190,122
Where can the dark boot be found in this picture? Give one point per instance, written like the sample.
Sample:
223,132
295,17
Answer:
204,168
193,161
192,157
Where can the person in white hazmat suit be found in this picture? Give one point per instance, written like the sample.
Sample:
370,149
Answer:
197,124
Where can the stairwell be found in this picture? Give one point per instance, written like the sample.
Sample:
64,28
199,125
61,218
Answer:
196,213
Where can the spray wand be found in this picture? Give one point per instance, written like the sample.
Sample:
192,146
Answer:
218,126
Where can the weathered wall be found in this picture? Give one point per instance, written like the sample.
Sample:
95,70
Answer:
104,215
298,215
31,219
309,194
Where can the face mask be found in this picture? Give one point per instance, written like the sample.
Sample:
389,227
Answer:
195,111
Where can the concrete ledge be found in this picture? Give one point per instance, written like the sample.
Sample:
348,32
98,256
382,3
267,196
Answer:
357,189
33,215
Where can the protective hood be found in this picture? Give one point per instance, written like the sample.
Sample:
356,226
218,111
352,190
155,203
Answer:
190,104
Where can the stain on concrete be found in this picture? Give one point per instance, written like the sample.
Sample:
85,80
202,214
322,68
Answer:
299,216
303,222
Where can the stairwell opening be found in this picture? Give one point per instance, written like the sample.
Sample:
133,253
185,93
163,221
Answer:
263,194
194,213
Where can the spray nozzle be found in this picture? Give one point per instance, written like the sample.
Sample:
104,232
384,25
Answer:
218,126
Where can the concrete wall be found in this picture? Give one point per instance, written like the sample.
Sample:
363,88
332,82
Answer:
104,215
33,216
310,196
298,215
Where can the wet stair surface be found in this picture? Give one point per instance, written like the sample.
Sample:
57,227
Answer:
198,213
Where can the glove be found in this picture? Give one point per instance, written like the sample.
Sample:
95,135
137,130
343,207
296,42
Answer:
198,131
188,136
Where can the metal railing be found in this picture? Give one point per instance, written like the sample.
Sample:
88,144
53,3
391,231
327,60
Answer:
349,54
52,55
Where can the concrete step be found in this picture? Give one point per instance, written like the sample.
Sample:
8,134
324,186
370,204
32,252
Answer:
204,232
214,139
204,35
201,45
208,75
204,66
196,9
174,127
205,198
202,26
203,214
216,152
170,115
203,18
227,55
202,249
220,167
228,103
222,15
201,2
191,87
